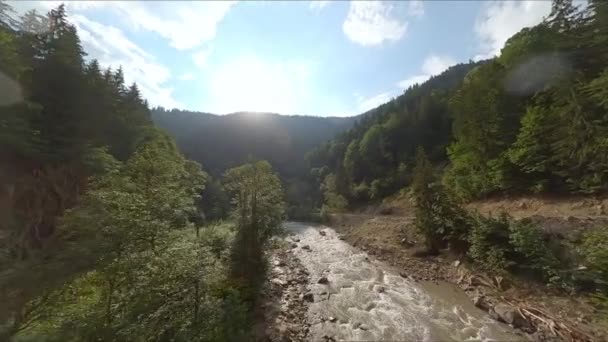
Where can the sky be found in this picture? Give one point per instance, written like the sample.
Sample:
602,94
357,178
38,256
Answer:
325,58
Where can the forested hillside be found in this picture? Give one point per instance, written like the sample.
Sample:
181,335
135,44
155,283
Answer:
532,120
102,232
220,142
281,139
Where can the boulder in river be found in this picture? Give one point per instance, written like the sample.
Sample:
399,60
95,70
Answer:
306,247
323,280
309,297
480,302
510,315
322,232
279,263
277,281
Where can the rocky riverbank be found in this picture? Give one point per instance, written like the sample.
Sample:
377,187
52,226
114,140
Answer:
542,313
285,298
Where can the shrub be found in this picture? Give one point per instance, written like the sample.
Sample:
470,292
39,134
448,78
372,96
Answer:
532,251
505,244
489,242
324,214
594,251
361,191
438,217
379,188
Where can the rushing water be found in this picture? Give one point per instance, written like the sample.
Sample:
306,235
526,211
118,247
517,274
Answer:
365,300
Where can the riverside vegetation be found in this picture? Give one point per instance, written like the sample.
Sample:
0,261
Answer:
103,236
108,232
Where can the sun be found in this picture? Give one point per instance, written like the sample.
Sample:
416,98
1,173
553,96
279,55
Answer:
250,84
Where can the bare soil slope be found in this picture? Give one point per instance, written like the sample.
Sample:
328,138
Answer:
387,232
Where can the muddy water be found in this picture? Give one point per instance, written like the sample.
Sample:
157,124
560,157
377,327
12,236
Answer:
366,300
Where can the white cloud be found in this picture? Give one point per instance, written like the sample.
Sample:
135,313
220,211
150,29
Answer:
410,81
372,23
185,25
186,77
318,4
44,6
432,65
499,20
200,57
435,65
365,104
415,8
112,48
249,83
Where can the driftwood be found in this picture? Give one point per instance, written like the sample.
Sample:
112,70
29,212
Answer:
539,318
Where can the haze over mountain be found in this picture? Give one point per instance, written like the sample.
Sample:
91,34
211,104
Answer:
229,140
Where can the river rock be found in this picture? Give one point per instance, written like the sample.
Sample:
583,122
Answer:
322,232
293,245
418,252
306,247
379,289
277,281
480,302
510,315
456,263
296,240
331,319
309,297
364,327
323,280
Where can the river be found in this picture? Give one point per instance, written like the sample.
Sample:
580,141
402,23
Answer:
367,300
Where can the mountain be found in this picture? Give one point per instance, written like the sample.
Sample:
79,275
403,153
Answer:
531,120
219,142
375,157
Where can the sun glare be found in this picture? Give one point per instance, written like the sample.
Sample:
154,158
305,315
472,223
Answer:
250,84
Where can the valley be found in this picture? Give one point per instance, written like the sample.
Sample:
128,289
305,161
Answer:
470,206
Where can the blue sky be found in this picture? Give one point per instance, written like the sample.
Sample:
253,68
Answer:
301,57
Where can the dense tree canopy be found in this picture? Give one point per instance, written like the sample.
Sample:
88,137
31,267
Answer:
531,120
101,216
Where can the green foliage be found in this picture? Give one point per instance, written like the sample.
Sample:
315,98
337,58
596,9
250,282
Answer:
258,210
333,200
385,139
438,218
489,243
502,244
362,191
595,256
533,252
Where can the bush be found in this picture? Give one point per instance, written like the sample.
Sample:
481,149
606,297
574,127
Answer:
380,188
533,251
438,217
361,192
324,214
594,251
504,244
489,242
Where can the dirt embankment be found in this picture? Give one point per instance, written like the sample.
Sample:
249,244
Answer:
547,314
